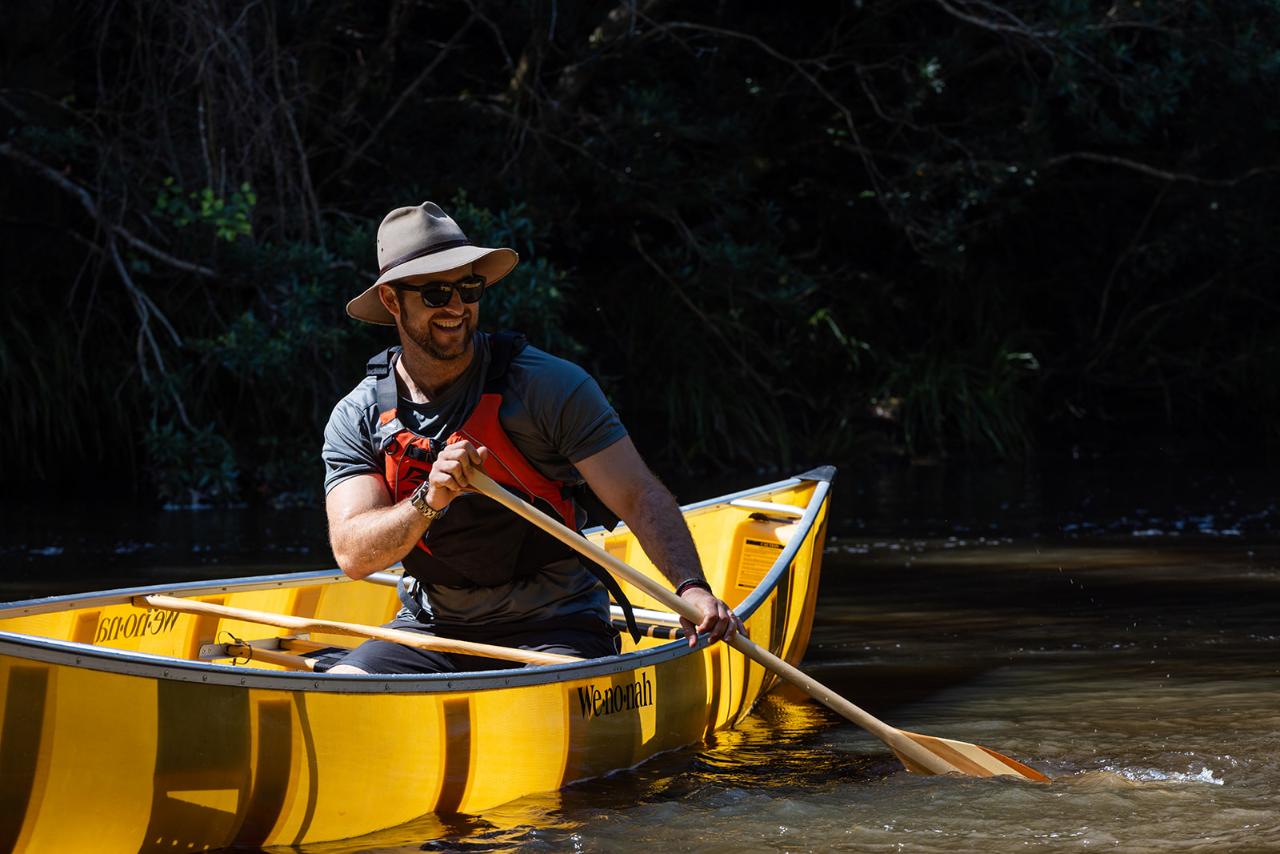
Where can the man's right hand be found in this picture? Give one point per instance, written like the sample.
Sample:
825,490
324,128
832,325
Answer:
450,474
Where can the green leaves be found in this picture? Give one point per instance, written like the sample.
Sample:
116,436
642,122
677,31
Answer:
190,467
979,396
229,217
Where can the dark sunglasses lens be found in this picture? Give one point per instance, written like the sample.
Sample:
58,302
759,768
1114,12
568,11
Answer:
436,296
471,289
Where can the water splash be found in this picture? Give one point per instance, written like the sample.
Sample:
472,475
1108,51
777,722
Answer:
1155,775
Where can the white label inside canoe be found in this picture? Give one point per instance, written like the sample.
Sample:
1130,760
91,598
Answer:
757,559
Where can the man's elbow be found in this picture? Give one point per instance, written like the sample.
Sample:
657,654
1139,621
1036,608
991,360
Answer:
352,563
353,570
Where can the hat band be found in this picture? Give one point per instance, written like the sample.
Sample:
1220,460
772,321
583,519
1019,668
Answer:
430,250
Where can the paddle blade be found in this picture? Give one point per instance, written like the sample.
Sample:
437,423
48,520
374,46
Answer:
969,759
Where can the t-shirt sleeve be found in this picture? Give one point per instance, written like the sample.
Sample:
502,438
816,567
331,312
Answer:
348,445
569,410
587,423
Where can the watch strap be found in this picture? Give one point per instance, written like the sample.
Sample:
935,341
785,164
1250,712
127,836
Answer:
419,500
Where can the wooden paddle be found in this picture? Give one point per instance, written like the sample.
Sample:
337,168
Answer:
309,624
921,754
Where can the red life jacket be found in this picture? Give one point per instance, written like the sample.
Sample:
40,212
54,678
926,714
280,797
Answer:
478,542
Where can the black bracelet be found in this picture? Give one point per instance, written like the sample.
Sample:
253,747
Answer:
692,582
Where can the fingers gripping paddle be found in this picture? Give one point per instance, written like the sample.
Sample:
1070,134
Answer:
921,754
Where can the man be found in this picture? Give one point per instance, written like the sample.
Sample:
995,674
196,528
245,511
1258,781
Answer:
400,448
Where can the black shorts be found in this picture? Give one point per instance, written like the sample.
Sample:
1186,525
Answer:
582,637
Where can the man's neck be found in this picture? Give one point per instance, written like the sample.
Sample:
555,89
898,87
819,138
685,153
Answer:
426,378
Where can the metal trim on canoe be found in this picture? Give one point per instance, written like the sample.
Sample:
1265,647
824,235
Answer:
125,595
160,667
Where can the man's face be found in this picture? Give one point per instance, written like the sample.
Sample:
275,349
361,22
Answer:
443,333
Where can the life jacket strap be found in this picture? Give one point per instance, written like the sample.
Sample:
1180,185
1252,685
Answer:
383,367
503,347
611,584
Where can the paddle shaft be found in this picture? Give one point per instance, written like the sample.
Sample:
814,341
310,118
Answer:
815,689
307,624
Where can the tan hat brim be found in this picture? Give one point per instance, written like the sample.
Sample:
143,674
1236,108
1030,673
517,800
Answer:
493,264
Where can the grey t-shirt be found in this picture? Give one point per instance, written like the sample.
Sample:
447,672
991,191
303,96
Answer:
554,413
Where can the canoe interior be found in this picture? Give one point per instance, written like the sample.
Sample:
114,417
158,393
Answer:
108,714
737,546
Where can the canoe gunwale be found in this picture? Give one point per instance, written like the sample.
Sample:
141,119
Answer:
145,665
125,595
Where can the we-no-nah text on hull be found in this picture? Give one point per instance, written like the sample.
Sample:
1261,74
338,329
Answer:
620,698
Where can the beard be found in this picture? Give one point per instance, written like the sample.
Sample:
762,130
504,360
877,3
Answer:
448,352
446,348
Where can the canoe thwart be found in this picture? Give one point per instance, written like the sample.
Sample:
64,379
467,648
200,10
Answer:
768,507
243,653
274,650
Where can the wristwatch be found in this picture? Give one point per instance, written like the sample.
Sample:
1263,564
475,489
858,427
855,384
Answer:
419,500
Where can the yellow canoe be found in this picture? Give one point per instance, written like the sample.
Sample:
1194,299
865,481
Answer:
126,727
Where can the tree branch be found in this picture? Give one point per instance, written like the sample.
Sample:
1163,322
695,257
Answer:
146,309
1154,172
91,207
357,152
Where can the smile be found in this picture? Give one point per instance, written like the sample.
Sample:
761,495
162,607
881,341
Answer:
448,324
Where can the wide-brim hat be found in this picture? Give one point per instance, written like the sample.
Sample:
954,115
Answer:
419,241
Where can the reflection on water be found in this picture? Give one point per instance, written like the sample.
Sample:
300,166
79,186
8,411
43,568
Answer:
1117,630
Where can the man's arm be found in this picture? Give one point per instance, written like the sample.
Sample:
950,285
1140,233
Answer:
368,532
619,477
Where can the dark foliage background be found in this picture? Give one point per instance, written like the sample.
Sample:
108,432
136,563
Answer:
778,235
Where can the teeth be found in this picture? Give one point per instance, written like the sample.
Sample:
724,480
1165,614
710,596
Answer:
446,325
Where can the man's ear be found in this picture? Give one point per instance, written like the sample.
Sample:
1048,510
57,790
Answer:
390,300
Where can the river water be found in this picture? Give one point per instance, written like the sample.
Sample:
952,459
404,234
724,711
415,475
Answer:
1116,629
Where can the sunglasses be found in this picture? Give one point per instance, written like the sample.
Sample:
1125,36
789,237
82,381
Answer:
438,294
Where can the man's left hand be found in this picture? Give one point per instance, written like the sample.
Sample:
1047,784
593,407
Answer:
718,618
